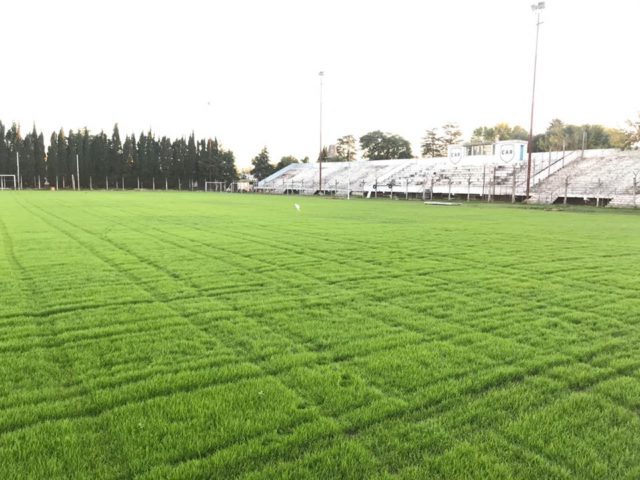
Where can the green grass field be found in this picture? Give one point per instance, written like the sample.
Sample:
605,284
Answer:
191,335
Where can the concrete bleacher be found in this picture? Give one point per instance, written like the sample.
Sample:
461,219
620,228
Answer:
599,177
594,176
415,177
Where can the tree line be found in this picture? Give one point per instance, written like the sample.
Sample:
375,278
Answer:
262,166
559,136
378,145
110,162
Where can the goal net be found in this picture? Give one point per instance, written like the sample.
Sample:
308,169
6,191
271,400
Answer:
8,182
215,186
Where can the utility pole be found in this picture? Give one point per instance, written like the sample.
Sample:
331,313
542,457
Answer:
537,9
78,171
349,181
18,182
321,75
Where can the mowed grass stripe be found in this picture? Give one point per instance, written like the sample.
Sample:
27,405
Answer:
115,245
403,341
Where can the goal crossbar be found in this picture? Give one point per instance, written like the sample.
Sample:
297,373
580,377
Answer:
215,186
5,180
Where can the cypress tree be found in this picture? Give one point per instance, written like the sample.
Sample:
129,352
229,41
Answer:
70,156
166,157
128,159
153,157
116,164
62,156
52,159
40,159
27,160
101,157
143,167
14,143
191,158
203,162
87,166
4,151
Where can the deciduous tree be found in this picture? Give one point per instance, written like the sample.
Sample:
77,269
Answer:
346,148
262,166
286,161
433,144
378,145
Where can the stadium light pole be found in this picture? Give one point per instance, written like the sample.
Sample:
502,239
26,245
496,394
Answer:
78,171
321,75
18,170
537,9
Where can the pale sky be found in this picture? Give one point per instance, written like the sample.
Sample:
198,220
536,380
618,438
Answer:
246,71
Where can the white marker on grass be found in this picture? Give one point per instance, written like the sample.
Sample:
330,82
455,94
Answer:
297,206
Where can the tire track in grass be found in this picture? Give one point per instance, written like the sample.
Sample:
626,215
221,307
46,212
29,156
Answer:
190,239
291,367
120,379
186,238
230,252
254,240
540,302
58,358
79,328
132,278
238,458
208,246
352,422
397,324
20,272
327,240
483,264
50,311
493,386
97,255
518,444
555,456
139,259
317,255
56,343
89,409
165,232
461,404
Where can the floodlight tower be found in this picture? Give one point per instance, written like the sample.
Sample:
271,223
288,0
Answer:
17,170
537,9
321,75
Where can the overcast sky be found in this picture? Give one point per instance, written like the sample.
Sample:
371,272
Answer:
247,71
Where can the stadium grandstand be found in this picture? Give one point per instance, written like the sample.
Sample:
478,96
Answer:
493,172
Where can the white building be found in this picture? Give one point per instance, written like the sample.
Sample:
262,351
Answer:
505,151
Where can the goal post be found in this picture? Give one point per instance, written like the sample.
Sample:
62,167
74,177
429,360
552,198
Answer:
215,186
8,182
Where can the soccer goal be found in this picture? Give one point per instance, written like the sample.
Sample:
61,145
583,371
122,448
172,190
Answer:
215,186
8,182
